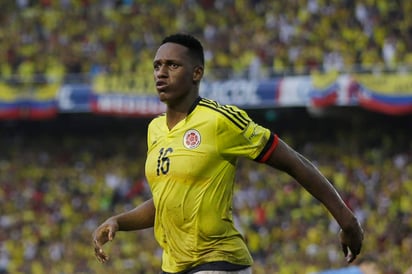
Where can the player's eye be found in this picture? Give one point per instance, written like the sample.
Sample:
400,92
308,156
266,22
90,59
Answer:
173,66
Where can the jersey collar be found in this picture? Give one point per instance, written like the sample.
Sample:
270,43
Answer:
194,105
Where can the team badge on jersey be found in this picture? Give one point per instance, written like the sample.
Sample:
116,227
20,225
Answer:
191,139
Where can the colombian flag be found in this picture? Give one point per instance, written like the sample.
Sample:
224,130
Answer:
9,104
386,93
38,103
324,91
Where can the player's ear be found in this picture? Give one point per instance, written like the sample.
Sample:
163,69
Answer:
197,73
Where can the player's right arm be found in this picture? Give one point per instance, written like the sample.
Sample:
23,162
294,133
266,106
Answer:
138,218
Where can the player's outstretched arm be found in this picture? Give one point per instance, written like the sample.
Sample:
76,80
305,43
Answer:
286,159
140,217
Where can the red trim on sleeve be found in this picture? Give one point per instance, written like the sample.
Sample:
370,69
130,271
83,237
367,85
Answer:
271,149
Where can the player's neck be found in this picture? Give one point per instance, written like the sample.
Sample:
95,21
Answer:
178,112
173,117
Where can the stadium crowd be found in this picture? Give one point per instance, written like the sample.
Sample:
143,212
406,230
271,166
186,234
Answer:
253,38
57,184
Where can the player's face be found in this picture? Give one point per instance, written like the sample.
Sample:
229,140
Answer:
174,74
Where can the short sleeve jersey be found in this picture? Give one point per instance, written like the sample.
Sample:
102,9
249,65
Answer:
191,172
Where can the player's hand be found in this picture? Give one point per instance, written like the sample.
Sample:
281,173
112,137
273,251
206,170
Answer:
351,242
103,234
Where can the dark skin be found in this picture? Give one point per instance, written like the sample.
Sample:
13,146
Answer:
177,78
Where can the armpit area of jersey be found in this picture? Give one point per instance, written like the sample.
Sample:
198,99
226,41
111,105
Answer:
213,266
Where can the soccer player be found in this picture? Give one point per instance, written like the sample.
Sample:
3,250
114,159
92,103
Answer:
191,162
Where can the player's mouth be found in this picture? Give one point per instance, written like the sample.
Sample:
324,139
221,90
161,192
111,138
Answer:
161,85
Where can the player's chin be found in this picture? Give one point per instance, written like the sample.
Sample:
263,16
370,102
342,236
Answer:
163,96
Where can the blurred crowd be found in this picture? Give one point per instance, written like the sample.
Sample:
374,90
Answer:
58,185
249,38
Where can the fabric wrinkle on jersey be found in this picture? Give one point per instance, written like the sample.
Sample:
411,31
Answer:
191,170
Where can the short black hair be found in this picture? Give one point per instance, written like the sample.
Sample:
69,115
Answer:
188,41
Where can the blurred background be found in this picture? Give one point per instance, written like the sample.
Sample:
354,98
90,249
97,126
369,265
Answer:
331,77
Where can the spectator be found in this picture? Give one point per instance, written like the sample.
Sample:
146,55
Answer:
66,174
93,30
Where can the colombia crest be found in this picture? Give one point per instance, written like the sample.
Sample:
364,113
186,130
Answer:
191,139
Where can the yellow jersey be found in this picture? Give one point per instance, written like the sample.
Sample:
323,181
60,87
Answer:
191,171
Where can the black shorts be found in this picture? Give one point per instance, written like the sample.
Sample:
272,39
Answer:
220,265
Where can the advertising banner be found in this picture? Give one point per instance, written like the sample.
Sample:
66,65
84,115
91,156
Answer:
390,94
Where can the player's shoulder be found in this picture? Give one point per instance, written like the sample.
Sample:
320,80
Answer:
216,107
159,119
231,113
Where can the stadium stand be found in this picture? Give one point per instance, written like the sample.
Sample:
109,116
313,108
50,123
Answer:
57,38
59,178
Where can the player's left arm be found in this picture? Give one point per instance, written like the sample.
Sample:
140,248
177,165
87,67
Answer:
284,158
